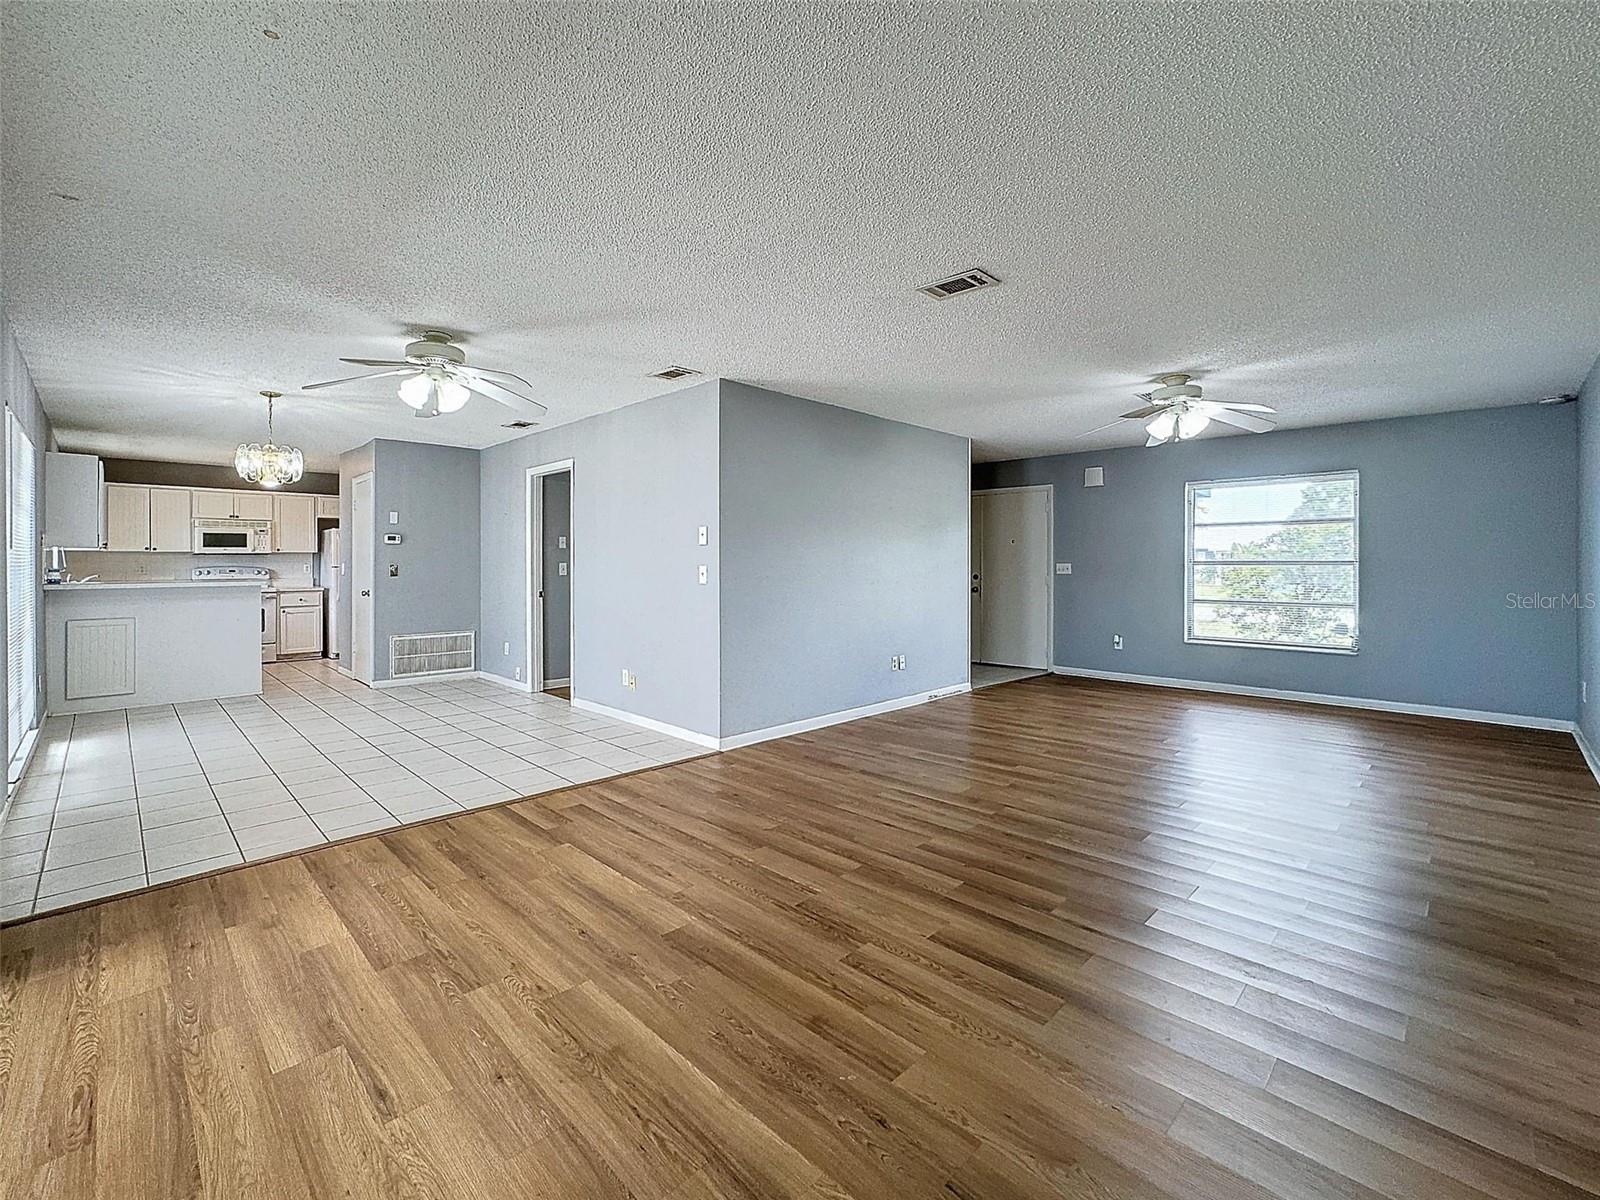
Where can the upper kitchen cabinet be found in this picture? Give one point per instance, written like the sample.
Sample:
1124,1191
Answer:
328,506
74,517
171,520
294,523
253,506
208,504
127,517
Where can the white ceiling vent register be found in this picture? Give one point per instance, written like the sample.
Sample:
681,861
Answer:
967,281
414,654
674,372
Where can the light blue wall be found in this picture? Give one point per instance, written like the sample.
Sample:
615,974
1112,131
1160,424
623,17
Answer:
1589,553
434,489
1457,511
644,479
557,586
844,541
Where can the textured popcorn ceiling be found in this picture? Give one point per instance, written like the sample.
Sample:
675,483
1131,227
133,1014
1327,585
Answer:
1347,212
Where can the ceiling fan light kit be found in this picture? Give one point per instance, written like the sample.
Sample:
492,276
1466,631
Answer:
435,379
268,463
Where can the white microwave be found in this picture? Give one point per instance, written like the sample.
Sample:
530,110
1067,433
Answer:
233,537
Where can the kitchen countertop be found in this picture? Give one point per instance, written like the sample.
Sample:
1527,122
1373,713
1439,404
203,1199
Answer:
129,584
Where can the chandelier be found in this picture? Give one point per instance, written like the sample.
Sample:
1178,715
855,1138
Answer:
268,463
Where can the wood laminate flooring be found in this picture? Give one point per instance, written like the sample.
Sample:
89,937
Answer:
1055,939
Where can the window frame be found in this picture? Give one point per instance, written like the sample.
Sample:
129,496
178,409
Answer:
1189,563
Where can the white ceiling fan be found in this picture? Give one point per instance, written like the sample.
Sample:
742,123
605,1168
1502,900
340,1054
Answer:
438,380
1176,412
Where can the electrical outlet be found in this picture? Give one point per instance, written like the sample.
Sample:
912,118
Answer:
704,572
705,535
1116,641
627,679
633,682
561,568
517,675
505,647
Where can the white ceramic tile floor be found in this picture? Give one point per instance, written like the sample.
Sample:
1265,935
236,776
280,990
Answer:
118,801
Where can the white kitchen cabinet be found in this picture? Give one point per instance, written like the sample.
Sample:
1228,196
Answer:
171,520
74,508
300,622
210,504
127,516
328,506
254,506
294,523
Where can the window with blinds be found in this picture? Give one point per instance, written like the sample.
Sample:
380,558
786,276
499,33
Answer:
22,585
1274,562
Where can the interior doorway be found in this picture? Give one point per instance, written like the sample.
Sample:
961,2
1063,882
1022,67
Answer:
1012,615
361,578
550,576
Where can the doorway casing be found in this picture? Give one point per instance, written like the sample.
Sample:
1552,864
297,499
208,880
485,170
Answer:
533,574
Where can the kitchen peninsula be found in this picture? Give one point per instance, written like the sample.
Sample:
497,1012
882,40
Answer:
124,645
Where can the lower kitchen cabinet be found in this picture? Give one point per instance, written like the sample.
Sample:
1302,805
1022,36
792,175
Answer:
299,623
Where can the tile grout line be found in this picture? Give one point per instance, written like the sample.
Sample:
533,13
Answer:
195,750
55,805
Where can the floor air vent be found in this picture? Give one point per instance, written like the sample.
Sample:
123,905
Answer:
414,654
967,281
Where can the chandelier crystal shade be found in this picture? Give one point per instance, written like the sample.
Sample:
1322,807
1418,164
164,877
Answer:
268,463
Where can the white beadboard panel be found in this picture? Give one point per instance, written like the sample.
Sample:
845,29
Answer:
100,657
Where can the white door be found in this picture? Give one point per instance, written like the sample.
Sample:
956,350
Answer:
1014,555
361,578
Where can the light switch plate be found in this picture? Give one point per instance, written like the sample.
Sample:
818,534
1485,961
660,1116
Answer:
561,568
561,542
1063,568
704,573
394,517
705,536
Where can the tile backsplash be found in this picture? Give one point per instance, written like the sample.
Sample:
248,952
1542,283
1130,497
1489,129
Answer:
107,564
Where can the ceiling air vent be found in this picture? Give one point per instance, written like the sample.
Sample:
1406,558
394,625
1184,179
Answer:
673,373
517,425
967,281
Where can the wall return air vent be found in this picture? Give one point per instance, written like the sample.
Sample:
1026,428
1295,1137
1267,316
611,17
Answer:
967,281
414,654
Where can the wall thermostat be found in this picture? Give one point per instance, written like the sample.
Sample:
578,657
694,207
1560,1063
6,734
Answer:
391,539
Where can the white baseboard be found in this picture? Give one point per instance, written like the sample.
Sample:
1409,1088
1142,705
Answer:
677,731
421,679
775,731
838,718
1390,706
1589,755
516,685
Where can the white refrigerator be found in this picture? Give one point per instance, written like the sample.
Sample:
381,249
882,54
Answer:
328,577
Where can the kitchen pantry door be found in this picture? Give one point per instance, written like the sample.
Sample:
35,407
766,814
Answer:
361,578
1011,565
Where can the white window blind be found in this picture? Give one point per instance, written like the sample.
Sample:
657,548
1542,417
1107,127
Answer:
1274,562
22,585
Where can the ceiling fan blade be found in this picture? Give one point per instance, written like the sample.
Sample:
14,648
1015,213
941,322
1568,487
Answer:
1096,429
500,394
1244,407
379,362
479,372
1241,420
408,370
1140,414
1153,440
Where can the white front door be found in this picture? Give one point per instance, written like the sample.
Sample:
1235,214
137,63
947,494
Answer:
1013,610
361,578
